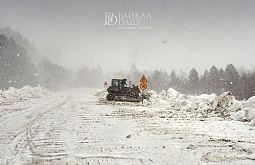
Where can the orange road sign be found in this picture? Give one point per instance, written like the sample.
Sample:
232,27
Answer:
143,79
105,83
143,86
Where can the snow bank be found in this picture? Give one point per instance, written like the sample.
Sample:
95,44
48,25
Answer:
224,105
247,113
13,95
250,102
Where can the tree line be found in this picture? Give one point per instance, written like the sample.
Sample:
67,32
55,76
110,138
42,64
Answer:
213,81
21,64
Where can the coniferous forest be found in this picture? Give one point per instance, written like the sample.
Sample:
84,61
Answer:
21,64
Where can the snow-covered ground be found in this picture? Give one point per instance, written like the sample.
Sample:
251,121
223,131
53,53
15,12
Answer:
79,127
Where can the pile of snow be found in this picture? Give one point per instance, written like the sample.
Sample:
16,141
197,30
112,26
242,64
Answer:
165,99
250,102
247,113
227,104
101,95
224,105
13,95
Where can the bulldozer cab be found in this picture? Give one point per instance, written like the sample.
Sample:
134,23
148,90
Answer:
119,82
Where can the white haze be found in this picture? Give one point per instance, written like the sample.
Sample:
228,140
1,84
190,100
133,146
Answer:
184,34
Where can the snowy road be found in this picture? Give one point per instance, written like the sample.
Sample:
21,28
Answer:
73,127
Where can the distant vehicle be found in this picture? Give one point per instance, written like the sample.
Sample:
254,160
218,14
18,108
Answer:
119,91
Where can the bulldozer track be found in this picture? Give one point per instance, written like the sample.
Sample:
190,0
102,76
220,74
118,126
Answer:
56,146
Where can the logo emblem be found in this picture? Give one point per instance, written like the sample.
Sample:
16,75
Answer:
110,18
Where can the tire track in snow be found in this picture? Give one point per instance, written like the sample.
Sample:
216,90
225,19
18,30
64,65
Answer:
32,144
96,136
13,138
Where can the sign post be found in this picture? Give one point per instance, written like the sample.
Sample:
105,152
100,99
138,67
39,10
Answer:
105,85
143,85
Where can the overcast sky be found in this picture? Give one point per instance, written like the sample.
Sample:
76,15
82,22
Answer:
182,34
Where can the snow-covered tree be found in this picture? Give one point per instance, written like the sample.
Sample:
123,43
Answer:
53,76
193,81
16,68
214,79
157,81
134,75
174,80
231,75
